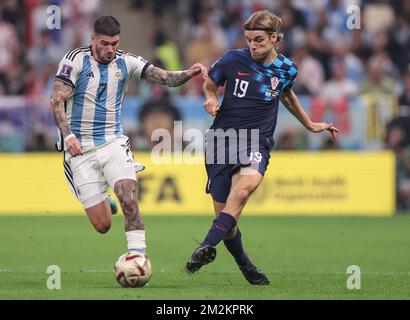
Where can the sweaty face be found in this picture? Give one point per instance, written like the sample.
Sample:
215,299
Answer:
105,47
260,44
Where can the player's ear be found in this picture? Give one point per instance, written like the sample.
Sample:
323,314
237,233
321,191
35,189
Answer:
274,37
93,37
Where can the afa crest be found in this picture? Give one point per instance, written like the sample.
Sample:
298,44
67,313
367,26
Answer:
274,82
118,74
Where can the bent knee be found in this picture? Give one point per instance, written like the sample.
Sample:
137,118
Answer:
102,227
242,194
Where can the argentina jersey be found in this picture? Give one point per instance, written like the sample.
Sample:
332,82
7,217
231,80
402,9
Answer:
252,90
93,111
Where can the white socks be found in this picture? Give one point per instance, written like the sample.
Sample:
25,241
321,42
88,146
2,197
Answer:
136,241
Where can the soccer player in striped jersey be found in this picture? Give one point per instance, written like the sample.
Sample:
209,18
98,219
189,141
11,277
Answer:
86,101
255,79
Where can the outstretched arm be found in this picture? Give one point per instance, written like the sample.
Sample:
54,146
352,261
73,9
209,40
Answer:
60,93
173,78
291,102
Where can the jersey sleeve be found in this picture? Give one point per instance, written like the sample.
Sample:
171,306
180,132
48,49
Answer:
219,70
137,65
68,69
292,74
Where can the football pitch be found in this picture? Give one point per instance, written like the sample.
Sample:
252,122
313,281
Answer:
304,257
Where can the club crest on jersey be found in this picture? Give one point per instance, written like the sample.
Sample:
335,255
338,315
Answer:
118,74
66,70
274,82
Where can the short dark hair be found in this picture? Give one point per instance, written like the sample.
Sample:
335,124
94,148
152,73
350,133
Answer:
107,26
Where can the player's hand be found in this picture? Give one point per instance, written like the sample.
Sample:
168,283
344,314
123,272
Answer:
197,69
321,126
211,106
74,146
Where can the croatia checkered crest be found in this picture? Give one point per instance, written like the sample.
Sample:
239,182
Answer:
274,82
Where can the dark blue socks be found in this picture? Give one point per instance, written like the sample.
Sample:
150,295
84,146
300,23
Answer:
235,247
222,225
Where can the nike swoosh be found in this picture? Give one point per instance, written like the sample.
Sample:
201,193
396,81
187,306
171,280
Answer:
243,74
220,227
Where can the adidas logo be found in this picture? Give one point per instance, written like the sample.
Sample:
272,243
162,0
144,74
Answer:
90,75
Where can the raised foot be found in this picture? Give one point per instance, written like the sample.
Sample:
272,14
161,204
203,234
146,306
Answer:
202,255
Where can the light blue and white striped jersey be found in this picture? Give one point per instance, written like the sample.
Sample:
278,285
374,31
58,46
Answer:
93,111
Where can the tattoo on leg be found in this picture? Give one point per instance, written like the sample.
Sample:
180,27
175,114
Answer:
125,191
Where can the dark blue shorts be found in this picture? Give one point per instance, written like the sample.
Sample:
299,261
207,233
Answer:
220,174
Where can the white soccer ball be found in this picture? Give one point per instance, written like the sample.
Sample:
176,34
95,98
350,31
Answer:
132,270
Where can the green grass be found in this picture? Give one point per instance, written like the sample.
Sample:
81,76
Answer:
304,257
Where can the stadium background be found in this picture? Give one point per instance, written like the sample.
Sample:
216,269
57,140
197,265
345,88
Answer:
358,79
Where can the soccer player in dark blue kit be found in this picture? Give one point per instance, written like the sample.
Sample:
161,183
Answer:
256,79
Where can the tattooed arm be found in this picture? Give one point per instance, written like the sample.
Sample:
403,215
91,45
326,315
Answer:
291,102
173,78
60,93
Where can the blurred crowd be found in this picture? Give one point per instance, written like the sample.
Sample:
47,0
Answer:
29,54
30,51
335,62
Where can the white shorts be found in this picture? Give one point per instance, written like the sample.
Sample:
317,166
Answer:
90,175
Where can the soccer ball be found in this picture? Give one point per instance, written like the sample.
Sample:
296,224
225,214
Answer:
132,270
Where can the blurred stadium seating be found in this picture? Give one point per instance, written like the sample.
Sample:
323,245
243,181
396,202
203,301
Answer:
357,79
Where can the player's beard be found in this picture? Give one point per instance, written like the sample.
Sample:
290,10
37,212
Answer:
104,58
